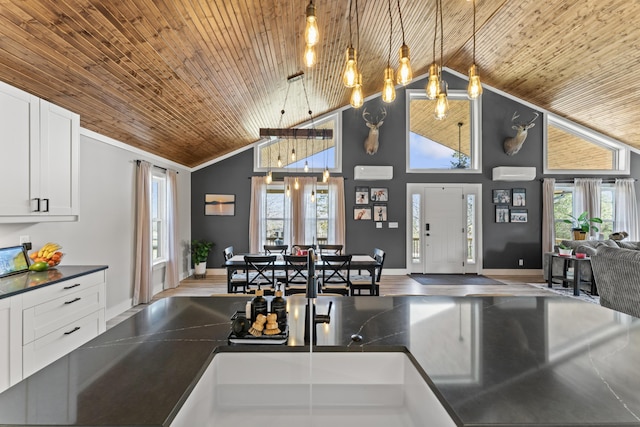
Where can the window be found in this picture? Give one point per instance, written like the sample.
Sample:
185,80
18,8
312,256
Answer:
315,153
570,147
442,145
158,216
563,208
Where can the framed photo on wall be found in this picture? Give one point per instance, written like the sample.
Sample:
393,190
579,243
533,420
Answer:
362,213
362,195
519,197
518,215
379,194
502,213
379,212
502,196
220,204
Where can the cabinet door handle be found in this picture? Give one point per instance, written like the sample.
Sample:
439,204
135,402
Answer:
72,286
73,300
37,209
47,209
72,331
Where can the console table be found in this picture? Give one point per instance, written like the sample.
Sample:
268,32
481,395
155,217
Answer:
576,280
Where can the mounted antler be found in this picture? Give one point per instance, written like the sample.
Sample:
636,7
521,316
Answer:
371,143
514,144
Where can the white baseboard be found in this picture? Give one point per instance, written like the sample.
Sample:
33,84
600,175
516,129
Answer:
511,272
118,309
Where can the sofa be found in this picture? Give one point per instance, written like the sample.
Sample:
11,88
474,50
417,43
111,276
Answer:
617,273
588,247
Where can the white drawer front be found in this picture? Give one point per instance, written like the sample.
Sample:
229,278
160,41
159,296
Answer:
64,288
44,318
41,352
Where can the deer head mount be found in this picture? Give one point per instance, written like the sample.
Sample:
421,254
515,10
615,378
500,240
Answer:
371,143
514,144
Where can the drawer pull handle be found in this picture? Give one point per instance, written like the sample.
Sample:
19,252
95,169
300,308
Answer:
72,286
72,331
73,300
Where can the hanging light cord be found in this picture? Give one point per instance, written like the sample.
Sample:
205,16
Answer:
350,34
286,96
304,88
441,34
435,34
401,24
390,34
474,31
357,29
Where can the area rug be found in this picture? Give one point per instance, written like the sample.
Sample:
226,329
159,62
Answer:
453,279
568,292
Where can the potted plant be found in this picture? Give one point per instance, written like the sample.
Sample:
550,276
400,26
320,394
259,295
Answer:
564,250
582,225
199,254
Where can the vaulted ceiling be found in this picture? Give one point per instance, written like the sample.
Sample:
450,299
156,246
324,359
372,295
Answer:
192,80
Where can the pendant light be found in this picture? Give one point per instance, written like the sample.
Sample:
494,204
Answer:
405,75
309,56
350,73
357,97
433,84
311,35
442,103
388,88
475,87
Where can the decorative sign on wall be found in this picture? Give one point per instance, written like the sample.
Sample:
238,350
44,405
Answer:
220,204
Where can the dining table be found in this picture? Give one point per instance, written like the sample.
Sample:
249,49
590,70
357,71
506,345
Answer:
358,262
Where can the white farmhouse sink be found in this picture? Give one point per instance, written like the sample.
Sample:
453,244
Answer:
319,389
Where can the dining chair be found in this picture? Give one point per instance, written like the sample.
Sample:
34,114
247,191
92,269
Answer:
264,268
335,274
330,249
238,278
362,282
296,274
275,249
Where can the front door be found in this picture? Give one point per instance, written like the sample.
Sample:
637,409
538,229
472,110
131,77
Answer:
442,228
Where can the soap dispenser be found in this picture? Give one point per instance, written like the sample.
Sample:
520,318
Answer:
258,304
279,307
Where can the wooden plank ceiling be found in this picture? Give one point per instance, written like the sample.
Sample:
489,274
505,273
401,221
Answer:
191,80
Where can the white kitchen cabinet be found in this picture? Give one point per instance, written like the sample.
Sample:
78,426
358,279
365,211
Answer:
61,317
10,341
39,165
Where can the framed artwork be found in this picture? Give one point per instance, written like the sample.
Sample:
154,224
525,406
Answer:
362,195
502,213
379,194
518,215
502,196
519,197
379,212
220,204
362,213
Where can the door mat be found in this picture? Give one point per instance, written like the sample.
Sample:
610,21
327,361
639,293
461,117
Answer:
568,292
453,279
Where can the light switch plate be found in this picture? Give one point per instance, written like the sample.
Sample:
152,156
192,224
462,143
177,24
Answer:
378,225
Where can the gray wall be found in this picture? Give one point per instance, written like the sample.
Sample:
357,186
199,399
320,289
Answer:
503,244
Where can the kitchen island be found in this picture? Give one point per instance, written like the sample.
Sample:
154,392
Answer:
489,360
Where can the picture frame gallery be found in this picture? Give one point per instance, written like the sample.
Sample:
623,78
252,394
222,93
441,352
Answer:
509,204
367,204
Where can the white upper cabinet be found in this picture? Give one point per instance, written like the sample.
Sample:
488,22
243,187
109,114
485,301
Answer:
39,143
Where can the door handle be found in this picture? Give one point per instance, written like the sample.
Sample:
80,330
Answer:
73,300
47,209
77,328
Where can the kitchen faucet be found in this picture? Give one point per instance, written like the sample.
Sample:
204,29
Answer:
312,294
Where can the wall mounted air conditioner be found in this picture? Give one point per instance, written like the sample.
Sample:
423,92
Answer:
514,173
372,173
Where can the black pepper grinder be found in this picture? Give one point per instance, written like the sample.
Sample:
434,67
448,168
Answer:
279,307
258,304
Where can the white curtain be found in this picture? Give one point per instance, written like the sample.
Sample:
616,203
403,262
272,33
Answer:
257,211
300,212
337,218
548,220
587,197
172,279
626,206
142,273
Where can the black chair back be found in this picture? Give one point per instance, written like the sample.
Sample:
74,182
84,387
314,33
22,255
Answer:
379,255
264,272
275,249
228,253
296,274
330,249
335,273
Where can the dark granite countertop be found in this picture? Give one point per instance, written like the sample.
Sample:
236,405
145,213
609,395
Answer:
24,282
493,360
